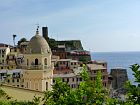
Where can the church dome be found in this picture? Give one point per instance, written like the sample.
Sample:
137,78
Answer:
38,45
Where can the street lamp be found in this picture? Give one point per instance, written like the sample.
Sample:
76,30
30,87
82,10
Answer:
14,36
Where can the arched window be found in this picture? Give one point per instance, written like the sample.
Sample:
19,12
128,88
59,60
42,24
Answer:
27,62
45,61
36,61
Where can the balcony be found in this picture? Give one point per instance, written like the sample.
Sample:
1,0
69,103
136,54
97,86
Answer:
37,67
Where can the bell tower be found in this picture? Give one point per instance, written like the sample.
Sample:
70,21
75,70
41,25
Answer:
38,69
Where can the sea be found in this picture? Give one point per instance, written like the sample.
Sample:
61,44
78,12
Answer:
119,59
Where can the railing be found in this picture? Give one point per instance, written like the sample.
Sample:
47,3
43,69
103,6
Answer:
37,67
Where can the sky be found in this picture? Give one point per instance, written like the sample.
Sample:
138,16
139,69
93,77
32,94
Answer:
101,25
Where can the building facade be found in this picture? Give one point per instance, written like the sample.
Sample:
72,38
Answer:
38,69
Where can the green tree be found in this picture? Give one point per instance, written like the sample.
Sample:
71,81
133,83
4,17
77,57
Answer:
133,91
58,95
88,92
21,40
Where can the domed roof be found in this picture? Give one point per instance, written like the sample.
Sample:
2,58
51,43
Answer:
38,45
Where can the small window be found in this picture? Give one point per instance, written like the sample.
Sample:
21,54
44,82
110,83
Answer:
45,61
1,67
67,79
63,80
17,80
105,84
80,79
73,79
53,81
77,79
8,80
13,80
27,62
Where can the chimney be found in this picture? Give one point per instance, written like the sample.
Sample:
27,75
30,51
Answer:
45,33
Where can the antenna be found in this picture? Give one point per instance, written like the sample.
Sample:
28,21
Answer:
37,26
37,30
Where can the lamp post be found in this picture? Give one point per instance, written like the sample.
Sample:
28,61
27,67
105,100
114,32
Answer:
14,36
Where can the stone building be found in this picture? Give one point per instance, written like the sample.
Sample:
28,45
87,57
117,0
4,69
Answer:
38,69
119,77
4,51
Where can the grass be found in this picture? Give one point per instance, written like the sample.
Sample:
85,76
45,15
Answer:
21,94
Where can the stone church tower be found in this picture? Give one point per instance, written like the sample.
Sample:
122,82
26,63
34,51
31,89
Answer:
39,70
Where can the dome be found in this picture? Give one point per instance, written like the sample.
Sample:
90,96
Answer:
38,45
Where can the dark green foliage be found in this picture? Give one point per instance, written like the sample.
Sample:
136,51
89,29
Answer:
135,69
21,40
133,91
52,43
88,93
59,94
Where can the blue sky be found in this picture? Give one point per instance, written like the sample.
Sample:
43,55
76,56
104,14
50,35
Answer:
101,25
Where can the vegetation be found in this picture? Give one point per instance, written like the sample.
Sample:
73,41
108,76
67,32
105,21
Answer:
133,91
88,93
21,40
52,43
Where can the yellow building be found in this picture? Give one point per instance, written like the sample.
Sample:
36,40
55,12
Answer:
4,51
38,69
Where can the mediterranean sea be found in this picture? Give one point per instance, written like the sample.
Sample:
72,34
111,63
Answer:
119,59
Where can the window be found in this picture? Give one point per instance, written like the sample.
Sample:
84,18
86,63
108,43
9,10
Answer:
1,67
45,61
77,79
53,81
46,85
105,84
73,79
8,80
80,79
17,80
13,80
27,62
27,84
36,61
67,79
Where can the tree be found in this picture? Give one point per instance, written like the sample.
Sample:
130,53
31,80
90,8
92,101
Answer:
133,91
21,40
58,95
88,92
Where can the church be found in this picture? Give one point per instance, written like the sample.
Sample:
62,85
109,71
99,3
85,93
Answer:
38,72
